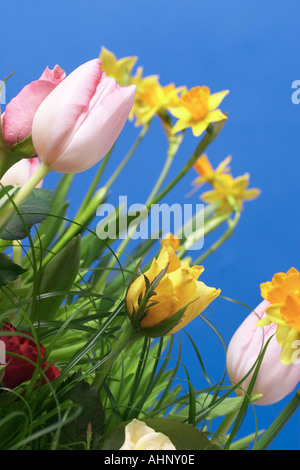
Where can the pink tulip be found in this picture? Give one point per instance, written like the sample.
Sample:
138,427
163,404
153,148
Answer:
275,380
20,172
80,120
19,112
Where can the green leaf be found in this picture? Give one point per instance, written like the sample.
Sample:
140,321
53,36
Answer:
24,149
165,326
91,416
215,407
57,279
183,436
9,271
34,209
50,227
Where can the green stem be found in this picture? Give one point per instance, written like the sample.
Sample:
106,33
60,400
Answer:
160,180
17,256
174,142
279,423
78,224
210,225
95,182
91,203
210,135
130,335
245,441
222,430
126,158
8,211
232,223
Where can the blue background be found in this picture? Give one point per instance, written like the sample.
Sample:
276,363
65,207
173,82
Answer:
248,47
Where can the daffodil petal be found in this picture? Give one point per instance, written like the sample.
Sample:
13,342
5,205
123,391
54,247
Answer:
216,99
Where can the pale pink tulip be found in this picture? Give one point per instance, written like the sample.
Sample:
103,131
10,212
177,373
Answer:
20,172
275,380
80,120
19,113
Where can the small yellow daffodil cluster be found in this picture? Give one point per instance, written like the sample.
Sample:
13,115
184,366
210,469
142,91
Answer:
195,108
283,293
229,192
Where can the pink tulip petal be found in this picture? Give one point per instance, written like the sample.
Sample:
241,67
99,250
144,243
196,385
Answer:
56,75
59,112
18,174
20,111
97,132
275,380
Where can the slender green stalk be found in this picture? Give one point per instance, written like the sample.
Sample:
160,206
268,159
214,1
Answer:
90,204
17,256
129,336
245,441
8,211
210,135
231,226
95,182
223,428
174,143
127,157
79,223
279,423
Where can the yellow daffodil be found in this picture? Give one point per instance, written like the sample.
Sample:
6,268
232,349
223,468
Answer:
118,69
151,98
283,293
207,174
139,81
197,108
228,190
139,436
178,290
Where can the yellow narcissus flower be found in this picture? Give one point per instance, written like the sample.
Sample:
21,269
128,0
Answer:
207,174
197,108
228,189
151,98
139,436
118,69
283,292
178,292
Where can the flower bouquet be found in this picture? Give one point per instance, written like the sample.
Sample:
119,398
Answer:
87,342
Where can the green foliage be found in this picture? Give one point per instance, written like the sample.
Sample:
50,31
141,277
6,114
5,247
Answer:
33,210
9,271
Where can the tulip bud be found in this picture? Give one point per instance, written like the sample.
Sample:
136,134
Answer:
274,380
168,296
139,436
80,120
20,172
19,112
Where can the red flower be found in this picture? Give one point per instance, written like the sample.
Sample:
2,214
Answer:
17,369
